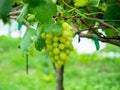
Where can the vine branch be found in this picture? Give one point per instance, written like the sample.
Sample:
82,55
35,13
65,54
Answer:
112,40
90,36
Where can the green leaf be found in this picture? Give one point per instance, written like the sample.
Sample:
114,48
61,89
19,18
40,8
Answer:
54,27
20,18
112,2
31,49
34,3
17,1
113,12
109,32
44,11
81,3
5,8
96,42
31,17
27,40
94,3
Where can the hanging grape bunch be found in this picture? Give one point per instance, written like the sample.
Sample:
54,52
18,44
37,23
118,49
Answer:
59,46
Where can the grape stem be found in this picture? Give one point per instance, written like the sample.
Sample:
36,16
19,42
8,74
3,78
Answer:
59,77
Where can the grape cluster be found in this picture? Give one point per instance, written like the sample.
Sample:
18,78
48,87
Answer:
59,46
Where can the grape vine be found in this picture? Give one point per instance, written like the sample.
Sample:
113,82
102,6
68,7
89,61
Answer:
94,19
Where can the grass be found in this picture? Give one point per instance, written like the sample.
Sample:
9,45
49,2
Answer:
84,72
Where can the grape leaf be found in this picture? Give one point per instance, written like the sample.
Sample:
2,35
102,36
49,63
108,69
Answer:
109,32
34,3
26,41
113,11
31,49
5,7
44,11
54,27
112,2
94,2
16,1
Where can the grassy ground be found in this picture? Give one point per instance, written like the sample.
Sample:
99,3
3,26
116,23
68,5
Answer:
84,72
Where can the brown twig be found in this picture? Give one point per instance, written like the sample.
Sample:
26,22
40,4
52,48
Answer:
90,36
14,13
25,21
91,28
106,24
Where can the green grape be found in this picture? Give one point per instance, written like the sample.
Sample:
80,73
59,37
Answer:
55,44
49,36
63,55
55,39
56,51
48,41
61,46
65,26
67,44
43,35
70,28
69,39
56,57
57,65
72,33
49,47
62,39
66,34
60,62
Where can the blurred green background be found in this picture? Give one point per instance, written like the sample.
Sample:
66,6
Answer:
96,71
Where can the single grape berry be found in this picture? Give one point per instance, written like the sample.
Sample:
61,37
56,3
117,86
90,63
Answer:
56,51
48,41
65,26
49,36
61,46
62,39
66,34
67,44
43,35
55,44
55,39
49,47
60,62
58,65
56,57
63,55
